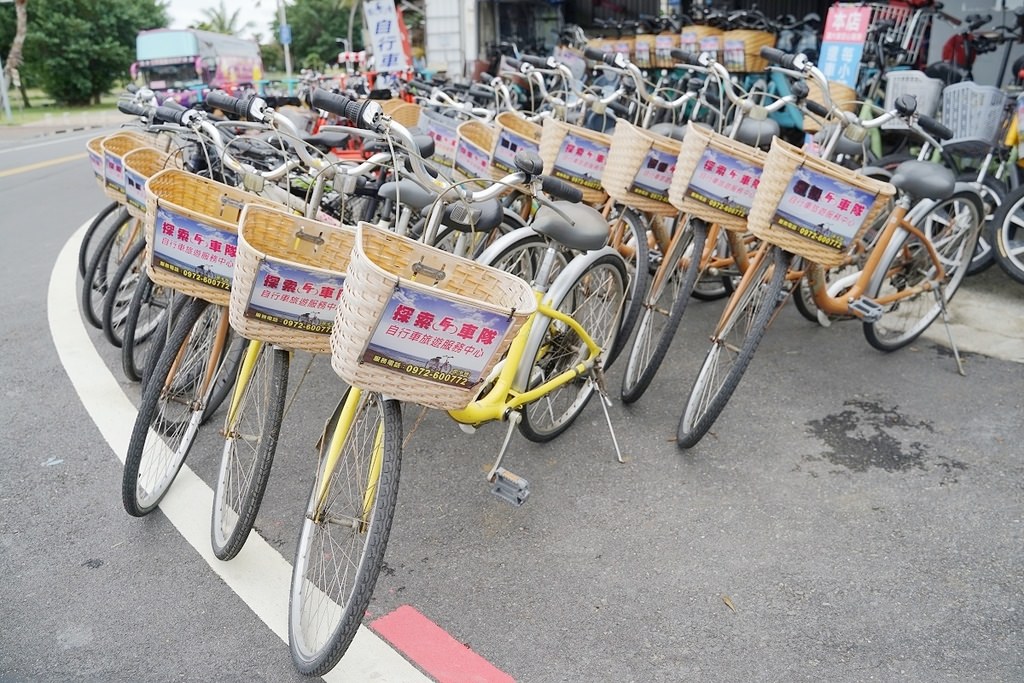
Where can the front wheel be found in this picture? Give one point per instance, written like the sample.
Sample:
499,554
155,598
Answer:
748,313
952,227
595,300
663,308
1006,232
251,431
343,538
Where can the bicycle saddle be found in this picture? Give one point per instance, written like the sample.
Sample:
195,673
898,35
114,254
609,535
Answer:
844,146
585,228
669,130
410,193
924,180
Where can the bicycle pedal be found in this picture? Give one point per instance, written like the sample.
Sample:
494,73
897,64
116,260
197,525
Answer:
868,310
510,487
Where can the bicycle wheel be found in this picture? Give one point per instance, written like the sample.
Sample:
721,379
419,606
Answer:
250,442
594,299
342,542
227,371
147,309
1006,232
753,304
993,192
112,246
171,408
84,257
630,240
663,309
121,291
721,283
952,226
523,257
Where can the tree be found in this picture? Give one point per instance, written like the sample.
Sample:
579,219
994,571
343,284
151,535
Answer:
75,50
317,24
220,20
14,57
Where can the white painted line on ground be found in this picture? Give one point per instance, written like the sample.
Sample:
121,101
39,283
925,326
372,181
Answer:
259,574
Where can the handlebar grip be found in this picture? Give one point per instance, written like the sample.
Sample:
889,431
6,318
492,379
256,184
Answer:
933,127
534,60
513,63
218,99
170,114
173,104
482,91
776,56
337,104
593,53
421,85
132,88
684,56
132,108
620,108
816,108
561,189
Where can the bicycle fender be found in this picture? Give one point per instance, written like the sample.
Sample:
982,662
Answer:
505,241
558,289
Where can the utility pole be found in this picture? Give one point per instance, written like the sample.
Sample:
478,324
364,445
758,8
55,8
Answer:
285,36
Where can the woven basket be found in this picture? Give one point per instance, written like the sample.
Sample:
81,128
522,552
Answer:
139,165
716,178
288,275
699,39
114,148
664,43
741,50
512,133
473,150
443,130
405,333
812,207
191,230
405,113
640,168
576,155
95,148
643,50
842,95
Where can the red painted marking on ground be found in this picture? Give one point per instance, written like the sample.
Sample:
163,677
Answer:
430,647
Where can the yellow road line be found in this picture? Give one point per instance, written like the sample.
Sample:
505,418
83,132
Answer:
42,164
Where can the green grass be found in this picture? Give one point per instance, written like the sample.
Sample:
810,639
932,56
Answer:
43,108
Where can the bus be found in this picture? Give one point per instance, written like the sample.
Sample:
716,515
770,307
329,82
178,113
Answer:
184,63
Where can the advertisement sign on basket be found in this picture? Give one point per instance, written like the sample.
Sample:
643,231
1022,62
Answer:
114,171
580,161
135,189
294,297
437,339
443,131
505,151
823,209
724,182
188,248
655,175
470,161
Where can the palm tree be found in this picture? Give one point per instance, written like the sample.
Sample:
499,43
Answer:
219,20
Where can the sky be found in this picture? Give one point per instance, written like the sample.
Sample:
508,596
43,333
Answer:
259,12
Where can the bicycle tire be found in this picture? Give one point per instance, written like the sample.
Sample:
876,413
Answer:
661,316
714,287
993,193
638,269
523,256
758,300
952,225
120,292
325,612
1006,232
594,299
151,464
102,267
83,249
250,442
147,309
227,371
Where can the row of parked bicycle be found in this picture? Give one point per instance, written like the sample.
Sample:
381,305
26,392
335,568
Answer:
460,253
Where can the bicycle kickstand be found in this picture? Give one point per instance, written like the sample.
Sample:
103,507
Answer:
949,331
597,378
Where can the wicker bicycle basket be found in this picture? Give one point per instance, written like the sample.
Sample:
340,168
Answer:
576,155
812,207
139,165
114,148
741,50
421,325
473,146
664,43
191,231
698,38
289,272
716,177
640,169
400,111
95,149
512,133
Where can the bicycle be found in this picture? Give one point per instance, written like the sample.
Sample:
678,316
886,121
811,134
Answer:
906,266
353,499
